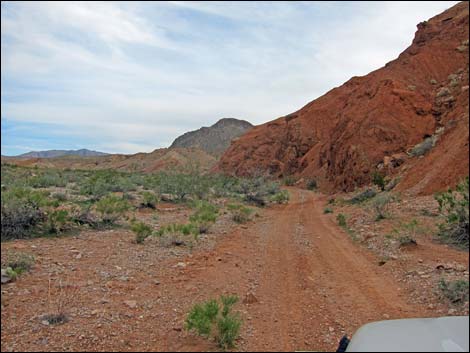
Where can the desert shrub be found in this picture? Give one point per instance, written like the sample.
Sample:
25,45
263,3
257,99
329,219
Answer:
455,291
205,214
60,196
57,221
363,196
150,200
103,182
216,319
202,316
82,215
289,180
379,180
341,218
392,183
256,191
380,205
19,262
48,179
21,212
280,197
454,205
406,240
111,207
240,213
327,210
18,220
312,184
180,185
142,231
174,230
422,148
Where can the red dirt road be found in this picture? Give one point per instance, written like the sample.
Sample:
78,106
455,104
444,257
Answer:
311,281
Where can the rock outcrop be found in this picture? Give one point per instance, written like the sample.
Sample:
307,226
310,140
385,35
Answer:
343,137
214,139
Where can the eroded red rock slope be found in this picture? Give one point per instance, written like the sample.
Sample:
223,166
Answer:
371,122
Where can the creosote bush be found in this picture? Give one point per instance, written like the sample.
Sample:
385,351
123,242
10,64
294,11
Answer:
379,180
380,205
455,291
111,207
341,218
454,205
240,213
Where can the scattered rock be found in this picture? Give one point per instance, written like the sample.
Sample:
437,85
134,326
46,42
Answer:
250,299
167,197
131,303
5,277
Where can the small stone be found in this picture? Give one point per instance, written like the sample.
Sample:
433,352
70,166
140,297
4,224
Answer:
5,277
386,316
451,311
131,303
331,329
250,299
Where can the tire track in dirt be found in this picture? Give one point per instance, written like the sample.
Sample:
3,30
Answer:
314,283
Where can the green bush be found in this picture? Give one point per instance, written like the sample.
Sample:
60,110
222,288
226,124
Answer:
202,316
48,179
363,196
280,197
205,214
19,262
142,231
454,205
379,180
111,207
456,292
341,218
289,180
212,319
312,184
327,210
380,205
21,212
57,221
406,240
150,200
240,213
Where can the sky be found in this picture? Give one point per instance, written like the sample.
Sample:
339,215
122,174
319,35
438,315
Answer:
127,77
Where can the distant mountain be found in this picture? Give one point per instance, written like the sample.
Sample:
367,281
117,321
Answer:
60,153
214,139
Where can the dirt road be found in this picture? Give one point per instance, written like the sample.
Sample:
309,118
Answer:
311,282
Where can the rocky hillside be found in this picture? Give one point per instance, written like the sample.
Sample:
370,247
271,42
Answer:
214,139
408,119
59,153
185,159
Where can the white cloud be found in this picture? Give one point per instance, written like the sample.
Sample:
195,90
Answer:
136,75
